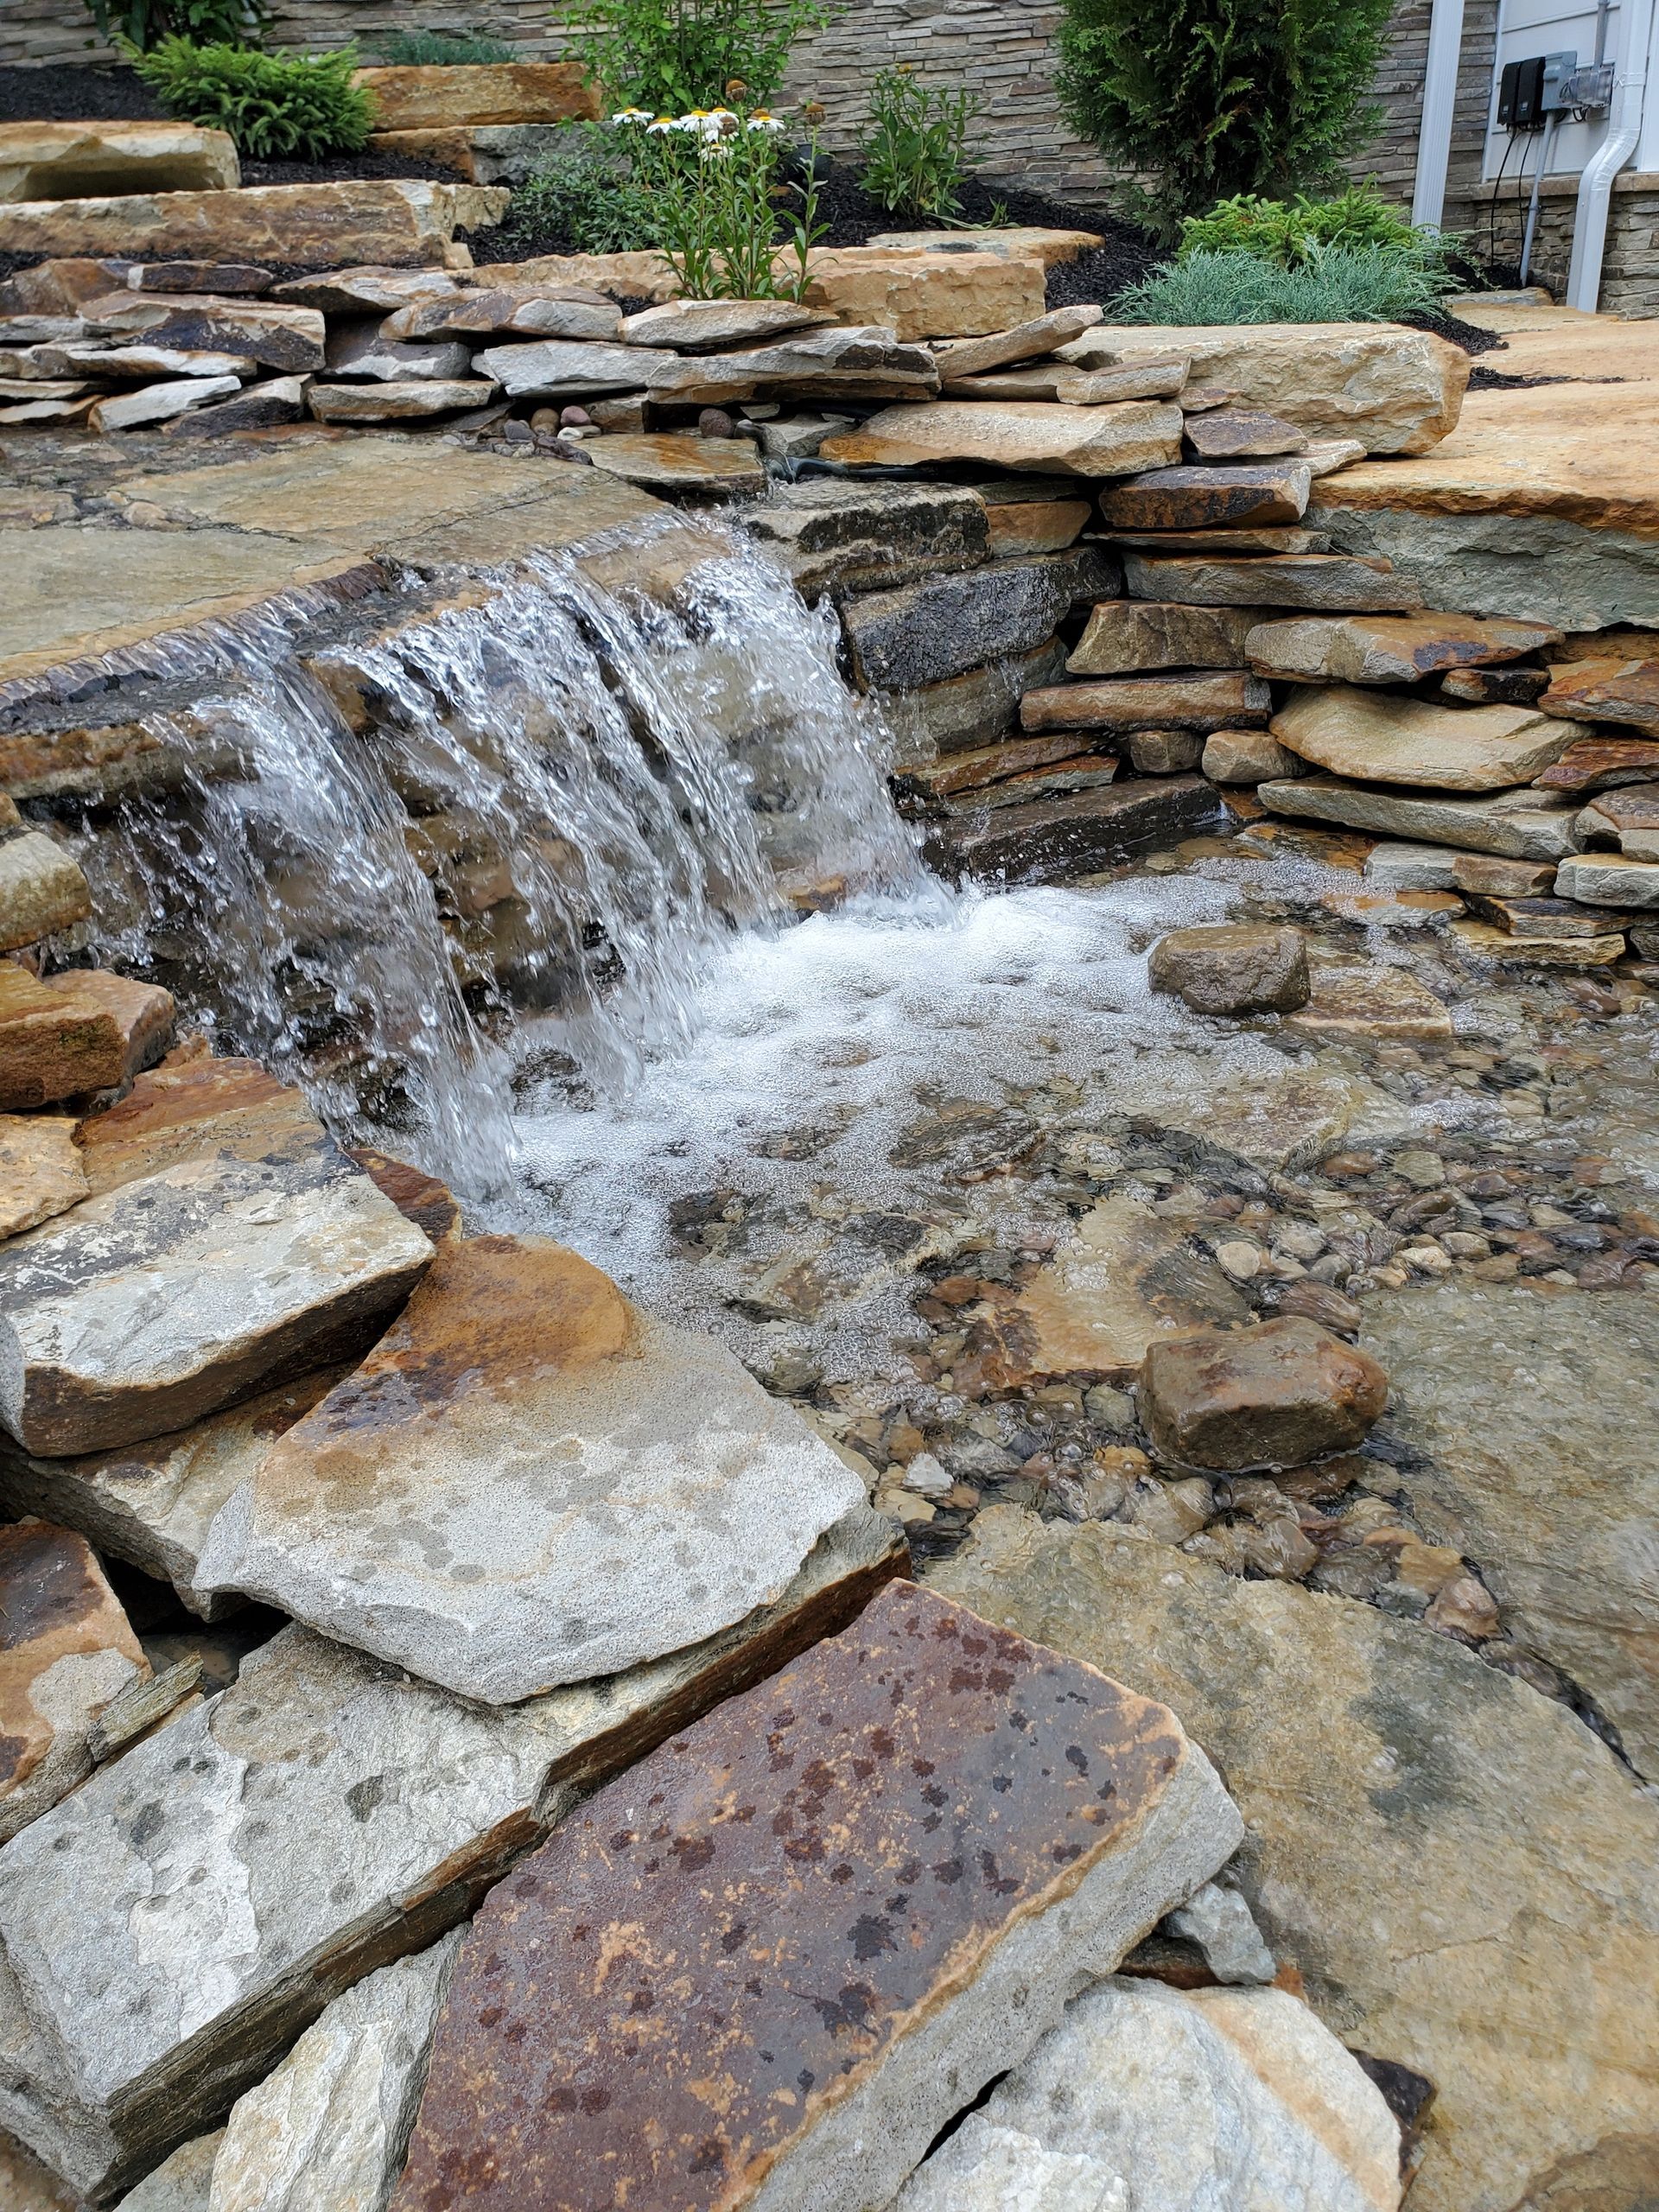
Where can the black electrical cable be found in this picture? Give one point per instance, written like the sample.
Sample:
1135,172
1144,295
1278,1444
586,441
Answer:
1492,212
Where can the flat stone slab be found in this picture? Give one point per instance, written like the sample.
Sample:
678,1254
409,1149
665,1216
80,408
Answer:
1186,2092
68,1649
167,1298
1201,498
433,96
1112,440
1280,580
1130,636
1388,740
396,402
1361,998
1388,649
1232,433
700,326
76,160
1609,880
767,1964
1231,701
1598,764
660,461
42,889
529,1482
1025,341
1495,1843
1057,380
946,625
324,1815
1518,825
1606,691
294,226
1049,839
868,536
40,1170
849,361
566,311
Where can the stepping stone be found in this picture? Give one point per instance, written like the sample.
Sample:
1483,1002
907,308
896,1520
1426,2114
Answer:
1356,999
1519,824
1596,763
40,1170
1053,838
1198,499
160,1301
1232,968
1127,636
1116,441
1275,1395
1606,691
79,161
41,888
1028,341
1389,739
1334,580
152,1503
1602,880
1073,387
947,625
333,1815
68,1650
79,1030
160,402
1397,649
533,310
1199,2097
703,326
850,1899
395,402
529,1482
331,2126
1195,703
666,461
273,333
1240,433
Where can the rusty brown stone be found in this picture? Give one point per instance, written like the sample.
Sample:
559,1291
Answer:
66,1649
420,1198
1605,690
1598,764
1276,1396
1230,699
188,1107
84,1030
765,1965
1199,498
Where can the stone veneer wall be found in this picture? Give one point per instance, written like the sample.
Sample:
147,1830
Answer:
1005,47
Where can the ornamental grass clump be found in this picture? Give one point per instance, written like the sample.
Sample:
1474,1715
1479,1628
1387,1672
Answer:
442,50
277,107
1368,283
1290,232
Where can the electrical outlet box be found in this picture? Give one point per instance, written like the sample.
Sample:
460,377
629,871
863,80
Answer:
1529,92
1558,72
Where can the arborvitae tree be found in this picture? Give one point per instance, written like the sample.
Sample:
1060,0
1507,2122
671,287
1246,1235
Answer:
1204,98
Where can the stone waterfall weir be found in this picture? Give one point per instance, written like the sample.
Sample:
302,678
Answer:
604,785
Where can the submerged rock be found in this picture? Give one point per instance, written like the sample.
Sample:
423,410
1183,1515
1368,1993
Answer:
1236,968
1146,2099
528,1482
1466,1879
1277,1395
869,1886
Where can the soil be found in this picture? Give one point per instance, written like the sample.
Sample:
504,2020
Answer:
75,92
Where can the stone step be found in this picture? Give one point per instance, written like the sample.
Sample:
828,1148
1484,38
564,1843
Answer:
323,1815
848,1899
529,1482
1051,839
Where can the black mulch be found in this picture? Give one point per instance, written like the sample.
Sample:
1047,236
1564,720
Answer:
346,168
75,92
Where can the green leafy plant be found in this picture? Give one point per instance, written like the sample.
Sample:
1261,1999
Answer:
1208,98
442,49
1335,283
144,23
721,201
295,107
674,56
913,147
590,194
1288,232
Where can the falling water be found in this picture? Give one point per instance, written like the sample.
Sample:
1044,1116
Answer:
603,790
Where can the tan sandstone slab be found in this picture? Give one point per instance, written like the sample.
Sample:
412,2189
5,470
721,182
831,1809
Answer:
1397,390
1116,441
529,1482
1026,341
296,226
68,1649
80,161
1359,998
1387,648
1388,739
331,1814
699,326
1445,1836
40,1170
42,888
433,97
1315,579
79,1030
950,1828
1154,379
1229,700
922,295
1051,246
660,461
1130,636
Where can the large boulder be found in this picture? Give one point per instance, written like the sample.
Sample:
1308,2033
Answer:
1197,2098
1396,391
847,1900
1466,1877
79,161
164,1936
528,1482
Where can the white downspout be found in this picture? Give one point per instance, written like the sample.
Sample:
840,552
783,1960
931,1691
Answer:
1440,102
1596,185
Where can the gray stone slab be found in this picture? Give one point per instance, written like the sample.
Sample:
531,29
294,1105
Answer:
164,1938
947,625
1520,825
529,1482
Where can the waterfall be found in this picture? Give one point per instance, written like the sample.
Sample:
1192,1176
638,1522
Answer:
497,844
